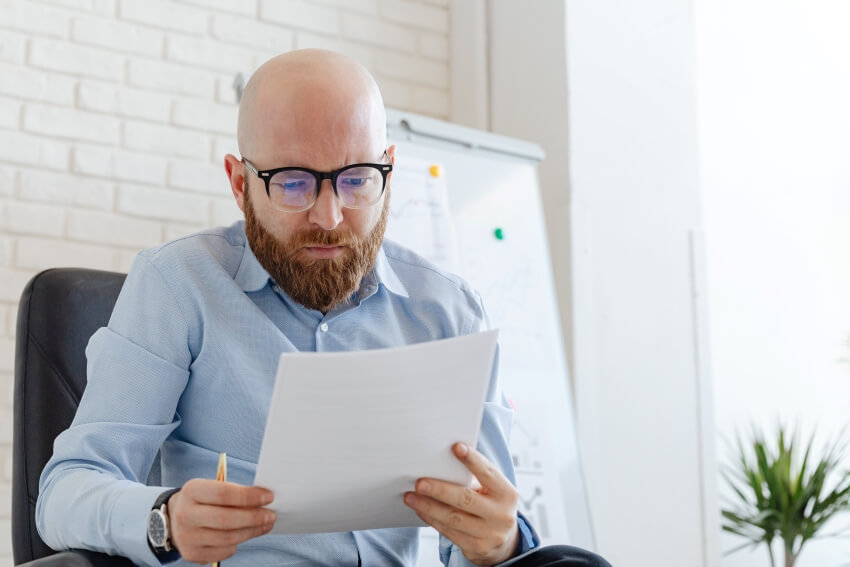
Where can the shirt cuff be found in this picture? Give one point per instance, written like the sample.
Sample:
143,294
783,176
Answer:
129,523
528,539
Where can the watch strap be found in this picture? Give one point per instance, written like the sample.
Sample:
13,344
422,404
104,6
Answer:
162,555
163,498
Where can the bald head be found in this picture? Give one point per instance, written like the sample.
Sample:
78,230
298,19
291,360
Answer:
313,103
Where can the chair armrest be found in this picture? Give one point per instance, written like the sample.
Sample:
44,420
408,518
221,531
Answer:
79,558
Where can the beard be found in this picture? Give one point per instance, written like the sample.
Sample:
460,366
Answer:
318,284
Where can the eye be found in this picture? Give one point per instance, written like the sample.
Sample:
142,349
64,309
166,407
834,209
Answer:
353,182
294,185
291,185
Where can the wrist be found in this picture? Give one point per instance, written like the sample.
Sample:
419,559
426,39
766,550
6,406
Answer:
514,544
158,529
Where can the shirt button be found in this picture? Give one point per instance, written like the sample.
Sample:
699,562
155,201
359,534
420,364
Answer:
323,327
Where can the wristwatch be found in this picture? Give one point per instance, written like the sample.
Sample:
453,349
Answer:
159,537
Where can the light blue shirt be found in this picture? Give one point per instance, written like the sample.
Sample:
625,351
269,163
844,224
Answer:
187,365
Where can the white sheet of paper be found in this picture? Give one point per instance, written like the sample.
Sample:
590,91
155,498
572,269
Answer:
349,433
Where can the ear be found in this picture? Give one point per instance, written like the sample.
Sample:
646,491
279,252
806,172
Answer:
391,153
236,175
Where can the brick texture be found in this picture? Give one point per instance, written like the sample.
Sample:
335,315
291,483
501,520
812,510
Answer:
379,32
170,77
13,47
166,140
7,181
416,14
196,176
302,14
18,147
35,253
206,116
120,36
32,18
7,245
210,54
166,15
160,203
93,226
12,283
66,57
65,189
123,101
116,164
6,316
69,123
18,217
10,112
250,32
115,116
245,7
33,85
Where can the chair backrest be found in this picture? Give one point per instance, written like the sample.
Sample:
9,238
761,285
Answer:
59,310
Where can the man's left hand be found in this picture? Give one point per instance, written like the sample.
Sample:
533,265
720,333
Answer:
482,522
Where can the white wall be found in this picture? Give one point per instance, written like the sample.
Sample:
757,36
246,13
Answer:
635,212
774,134
115,116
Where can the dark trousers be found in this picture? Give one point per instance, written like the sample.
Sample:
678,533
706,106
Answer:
557,556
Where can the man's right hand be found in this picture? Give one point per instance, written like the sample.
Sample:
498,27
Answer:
208,519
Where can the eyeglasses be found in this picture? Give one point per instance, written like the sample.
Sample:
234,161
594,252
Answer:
295,189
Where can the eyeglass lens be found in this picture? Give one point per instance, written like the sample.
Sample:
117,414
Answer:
296,189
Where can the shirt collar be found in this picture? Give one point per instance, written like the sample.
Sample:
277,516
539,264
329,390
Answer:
384,274
251,276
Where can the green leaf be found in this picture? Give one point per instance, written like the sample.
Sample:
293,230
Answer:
776,492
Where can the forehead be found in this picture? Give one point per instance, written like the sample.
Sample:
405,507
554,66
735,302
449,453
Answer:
321,126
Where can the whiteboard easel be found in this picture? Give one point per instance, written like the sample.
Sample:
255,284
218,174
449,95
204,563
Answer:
496,240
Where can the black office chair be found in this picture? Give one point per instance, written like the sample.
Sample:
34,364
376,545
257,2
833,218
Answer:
59,310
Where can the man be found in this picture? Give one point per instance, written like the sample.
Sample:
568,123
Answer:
187,362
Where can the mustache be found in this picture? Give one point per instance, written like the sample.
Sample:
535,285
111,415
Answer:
319,237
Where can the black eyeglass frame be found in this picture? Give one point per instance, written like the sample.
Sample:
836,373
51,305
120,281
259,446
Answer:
267,174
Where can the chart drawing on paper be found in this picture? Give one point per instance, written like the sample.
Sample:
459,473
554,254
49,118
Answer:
539,492
419,212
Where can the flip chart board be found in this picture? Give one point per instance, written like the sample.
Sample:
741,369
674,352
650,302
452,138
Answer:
469,201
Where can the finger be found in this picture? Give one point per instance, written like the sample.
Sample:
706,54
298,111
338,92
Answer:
206,491
445,515
466,542
207,537
209,554
483,549
460,497
230,518
486,472
207,545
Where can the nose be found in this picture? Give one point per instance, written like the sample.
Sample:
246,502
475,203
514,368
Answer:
326,212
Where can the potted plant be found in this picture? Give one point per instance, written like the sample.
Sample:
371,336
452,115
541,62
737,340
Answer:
779,492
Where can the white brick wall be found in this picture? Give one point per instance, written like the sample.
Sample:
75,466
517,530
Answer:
115,116
68,57
34,85
12,47
106,32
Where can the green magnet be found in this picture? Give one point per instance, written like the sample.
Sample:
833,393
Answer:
499,234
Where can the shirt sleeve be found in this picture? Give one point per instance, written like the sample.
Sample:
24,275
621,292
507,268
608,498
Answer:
137,370
493,443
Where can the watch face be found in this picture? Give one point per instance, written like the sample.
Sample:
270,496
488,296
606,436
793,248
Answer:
156,528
